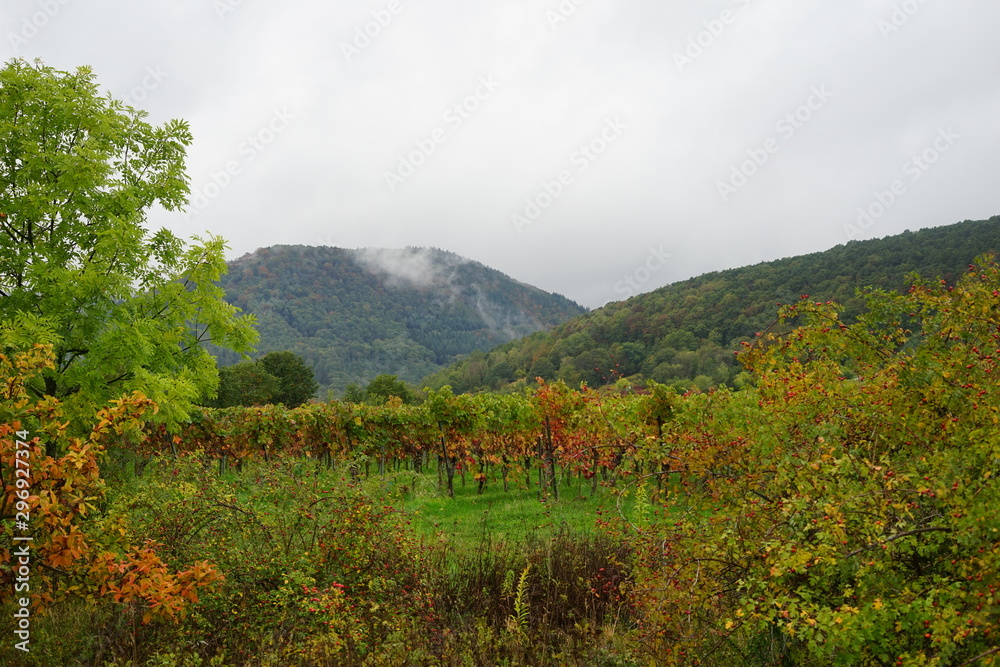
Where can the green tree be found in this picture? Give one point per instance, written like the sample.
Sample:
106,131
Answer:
296,383
277,377
501,374
126,309
247,383
384,386
542,368
354,394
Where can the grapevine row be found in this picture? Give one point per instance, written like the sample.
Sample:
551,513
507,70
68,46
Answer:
581,432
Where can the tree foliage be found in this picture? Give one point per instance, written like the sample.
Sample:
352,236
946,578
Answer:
839,509
75,551
384,387
296,383
126,310
684,334
351,319
380,390
843,511
276,378
247,383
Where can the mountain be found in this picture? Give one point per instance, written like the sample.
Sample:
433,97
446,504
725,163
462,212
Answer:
685,333
355,314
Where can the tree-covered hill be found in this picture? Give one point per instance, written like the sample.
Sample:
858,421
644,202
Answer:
356,314
685,333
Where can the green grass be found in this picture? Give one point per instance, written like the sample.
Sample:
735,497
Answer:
513,515
503,576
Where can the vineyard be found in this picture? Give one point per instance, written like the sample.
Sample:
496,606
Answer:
829,500
494,438
839,509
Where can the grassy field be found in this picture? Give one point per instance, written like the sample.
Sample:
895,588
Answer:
353,568
512,515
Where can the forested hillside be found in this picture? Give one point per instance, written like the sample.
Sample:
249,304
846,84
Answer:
355,314
685,333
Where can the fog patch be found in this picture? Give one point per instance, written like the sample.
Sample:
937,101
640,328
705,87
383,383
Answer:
432,269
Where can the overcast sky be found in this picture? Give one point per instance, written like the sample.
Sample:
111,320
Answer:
589,147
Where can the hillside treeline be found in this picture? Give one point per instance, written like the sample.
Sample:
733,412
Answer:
353,315
685,334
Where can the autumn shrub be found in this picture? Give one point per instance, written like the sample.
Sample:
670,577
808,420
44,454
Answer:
839,509
70,548
316,571
843,511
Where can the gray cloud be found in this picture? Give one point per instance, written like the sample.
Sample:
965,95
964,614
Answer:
322,178
429,269
418,267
